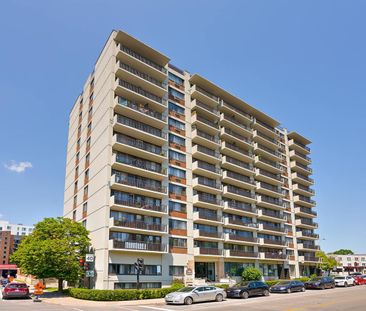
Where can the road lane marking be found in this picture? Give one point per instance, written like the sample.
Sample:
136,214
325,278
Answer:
156,308
76,309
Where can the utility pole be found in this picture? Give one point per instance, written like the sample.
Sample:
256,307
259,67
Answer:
139,266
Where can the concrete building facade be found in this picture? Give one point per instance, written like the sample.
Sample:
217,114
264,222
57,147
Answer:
168,166
350,263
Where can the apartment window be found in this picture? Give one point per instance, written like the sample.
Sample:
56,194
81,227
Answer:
86,191
177,140
177,172
179,190
88,142
176,108
363,258
92,82
77,171
173,155
90,112
74,215
177,207
128,269
205,228
143,285
89,127
78,157
86,177
176,93
91,96
177,224
356,258
78,143
80,114
79,130
75,200
176,270
84,223
85,207
178,125
175,78
81,101
349,258
76,186
87,159
178,242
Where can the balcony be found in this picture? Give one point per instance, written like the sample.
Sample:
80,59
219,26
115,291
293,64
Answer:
306,223
237,166
206,201
240,254
136,226
204,96
176,85
308,258
141,63
206,125
208,185
206,154
273,256
204,139
205,110
268,177
139,130
236,152
298,146
299,157
265,128
265,140
176,114
138,206
301,168
233,137
238,180
240,208
270,215
268,189
307,235
207,235
236,193
141,79
138,94
308,247
272,243
206,169
134,165
305,212
304,201
240,239
272,229
269,202
268,165
140,112
137,185
239,224
137,246
207,218
139,148
267,152
233,110
236,125
207,252
302,179
301,189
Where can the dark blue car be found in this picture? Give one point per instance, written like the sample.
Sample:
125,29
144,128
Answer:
288,287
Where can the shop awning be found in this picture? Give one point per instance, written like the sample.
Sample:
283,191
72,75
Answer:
8,267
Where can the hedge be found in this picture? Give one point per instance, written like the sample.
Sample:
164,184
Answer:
274,282
121,294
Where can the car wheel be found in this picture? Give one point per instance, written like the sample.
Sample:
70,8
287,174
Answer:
265,292
188,301
345,284
302,289
289,291
244,295
219,298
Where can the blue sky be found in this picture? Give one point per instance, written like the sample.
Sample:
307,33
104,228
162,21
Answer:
302,62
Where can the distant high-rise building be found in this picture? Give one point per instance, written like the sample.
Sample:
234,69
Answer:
168,166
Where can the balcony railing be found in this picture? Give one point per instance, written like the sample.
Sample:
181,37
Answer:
241,206
140,144
310,234
208,167
271,163
239,191
305,177
304,167
209,216
271,213
137,245
270,187
302,187
239,163
140,225
237,237
207,136
301,145
238,110
242,223
209,199
273,228
215,98
238,253
141,126
309,222
140,163
241,137
275,255
271,200
140,183
141,91
140,108
208,182
204,106
238,149
240,177
210,234
310,246
142,59
301,155
269,150
237,122
208,151
141,75
268,174
311,258
141,204
272,129
270,139
207,122
210,251
306,199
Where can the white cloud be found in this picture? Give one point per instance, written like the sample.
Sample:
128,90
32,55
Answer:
19,167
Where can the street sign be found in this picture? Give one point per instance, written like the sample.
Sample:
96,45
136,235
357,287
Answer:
89,273
89,258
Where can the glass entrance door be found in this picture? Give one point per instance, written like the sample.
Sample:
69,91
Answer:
205,270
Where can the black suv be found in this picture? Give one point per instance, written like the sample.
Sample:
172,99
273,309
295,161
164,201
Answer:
320,283
247,289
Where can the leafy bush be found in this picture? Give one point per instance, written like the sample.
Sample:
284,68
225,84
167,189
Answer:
251,274
121,294
303,279
224,286
272,282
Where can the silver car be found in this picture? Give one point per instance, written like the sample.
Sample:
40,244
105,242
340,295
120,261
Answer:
190,294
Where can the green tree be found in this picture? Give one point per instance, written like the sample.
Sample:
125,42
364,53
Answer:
53,250
251,274
326,263
343,251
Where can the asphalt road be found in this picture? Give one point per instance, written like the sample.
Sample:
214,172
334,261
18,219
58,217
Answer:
339,299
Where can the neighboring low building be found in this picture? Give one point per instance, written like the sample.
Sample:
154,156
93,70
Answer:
350,263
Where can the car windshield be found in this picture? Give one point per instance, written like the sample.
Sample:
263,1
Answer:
186,289
316,279
17,286
339,278
283,283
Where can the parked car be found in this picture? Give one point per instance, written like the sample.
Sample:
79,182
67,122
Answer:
344,280
288,287
360,279
16,290
3,282
320,283
190,294
248,289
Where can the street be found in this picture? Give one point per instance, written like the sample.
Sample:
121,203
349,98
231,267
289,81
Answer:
339,299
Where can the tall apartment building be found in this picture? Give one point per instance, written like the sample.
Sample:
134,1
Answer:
168,166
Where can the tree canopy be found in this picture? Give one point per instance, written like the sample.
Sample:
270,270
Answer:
326,263
53,250
343,251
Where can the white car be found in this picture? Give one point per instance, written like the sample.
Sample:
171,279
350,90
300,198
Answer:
344,281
